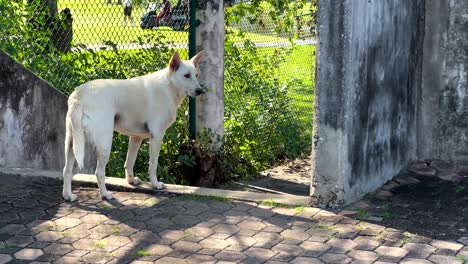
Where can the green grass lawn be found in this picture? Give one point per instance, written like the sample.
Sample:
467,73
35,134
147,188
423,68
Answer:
299,65
95,22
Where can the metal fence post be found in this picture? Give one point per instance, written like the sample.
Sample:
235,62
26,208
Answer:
193,23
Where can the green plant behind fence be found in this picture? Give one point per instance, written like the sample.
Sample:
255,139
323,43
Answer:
268,80
268,85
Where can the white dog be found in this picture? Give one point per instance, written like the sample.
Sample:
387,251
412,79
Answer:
141,107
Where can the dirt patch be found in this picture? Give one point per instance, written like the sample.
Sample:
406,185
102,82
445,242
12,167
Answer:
292,177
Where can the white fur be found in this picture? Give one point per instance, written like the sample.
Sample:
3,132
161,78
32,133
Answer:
142,107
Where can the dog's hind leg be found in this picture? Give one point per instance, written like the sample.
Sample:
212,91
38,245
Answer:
134,144
155,147
103,142
68,168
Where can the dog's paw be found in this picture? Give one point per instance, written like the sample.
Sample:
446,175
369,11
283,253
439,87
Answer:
159,185
69,197
107,196
134,181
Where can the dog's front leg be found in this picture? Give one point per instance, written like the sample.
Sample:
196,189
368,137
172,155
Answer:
134,144
155,147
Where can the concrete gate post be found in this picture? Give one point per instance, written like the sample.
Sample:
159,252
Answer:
368,75
210,107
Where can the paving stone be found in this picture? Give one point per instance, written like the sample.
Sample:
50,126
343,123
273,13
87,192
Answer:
29,254
231,256
240,243
405,180
77,253
58,249
341,245
66,222
79,231
297,236
306,260
440,244
172,234
321,239
287,252
185,220
158,222
85,244
105,229
185,246
314,249
391,253
126,253
267,240
252,225
422,168
414,261
449,176
67,260
209,251
97,257
170,260
126,230
12,229
117,240
383,194
247,232
157,249
440,259
19,241
366,243
221,236
226,228
198,258
417,250
199,231
261,213
335,258
94,219
145,236
49,236
39,244
211,217
4,258
191,238
363,255
259,254
214,243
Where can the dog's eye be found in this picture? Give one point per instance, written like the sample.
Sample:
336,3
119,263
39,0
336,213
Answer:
187,75
197,75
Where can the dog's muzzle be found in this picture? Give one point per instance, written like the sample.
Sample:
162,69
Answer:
199,91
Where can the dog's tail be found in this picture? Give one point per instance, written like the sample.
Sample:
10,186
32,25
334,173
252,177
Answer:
75,112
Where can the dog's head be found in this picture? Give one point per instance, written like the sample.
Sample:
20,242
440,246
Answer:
184,74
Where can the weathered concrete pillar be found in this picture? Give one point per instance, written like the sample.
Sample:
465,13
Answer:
210,107
443,109
368,75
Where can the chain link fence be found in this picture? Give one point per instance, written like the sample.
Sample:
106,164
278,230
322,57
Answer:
269,82
69,42
269,67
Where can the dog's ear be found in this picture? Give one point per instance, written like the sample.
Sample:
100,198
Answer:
175,62
197,58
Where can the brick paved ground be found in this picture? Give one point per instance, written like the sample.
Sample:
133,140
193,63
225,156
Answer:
420,220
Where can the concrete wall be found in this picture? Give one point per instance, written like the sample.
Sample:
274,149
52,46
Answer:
368,74
443,112
32,119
